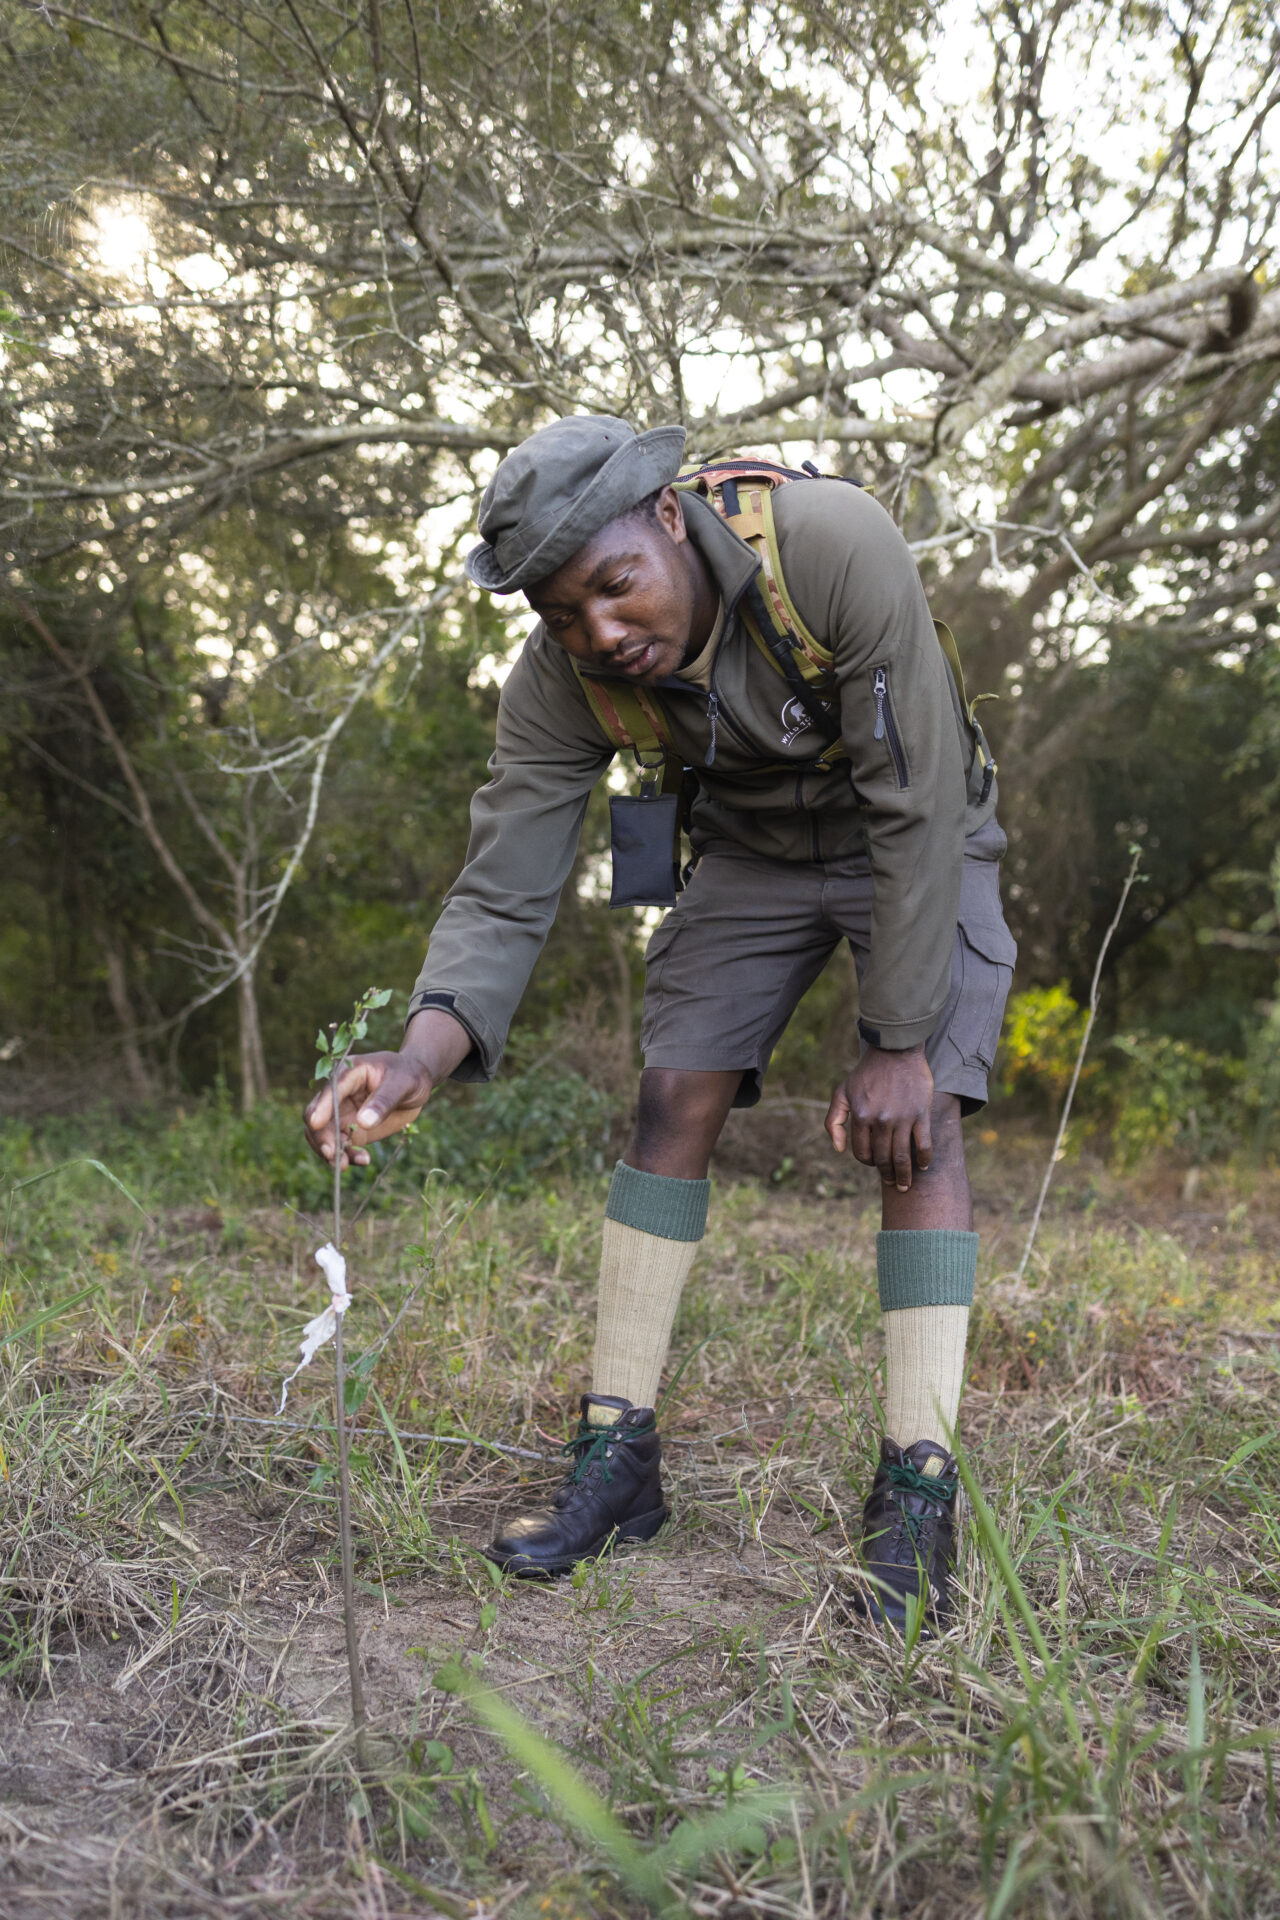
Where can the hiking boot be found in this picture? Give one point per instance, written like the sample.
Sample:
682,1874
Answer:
614,1493
907,1548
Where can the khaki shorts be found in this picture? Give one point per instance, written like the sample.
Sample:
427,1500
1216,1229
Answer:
728,966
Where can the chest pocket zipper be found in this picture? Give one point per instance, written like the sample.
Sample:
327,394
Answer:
887,726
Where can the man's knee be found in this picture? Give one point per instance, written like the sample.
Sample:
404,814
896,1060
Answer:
679,1117
672,1101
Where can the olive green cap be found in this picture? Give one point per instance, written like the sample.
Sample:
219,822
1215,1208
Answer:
559,487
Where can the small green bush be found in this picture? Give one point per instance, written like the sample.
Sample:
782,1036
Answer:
513,1129
510,1134
1043,1028
1171,1095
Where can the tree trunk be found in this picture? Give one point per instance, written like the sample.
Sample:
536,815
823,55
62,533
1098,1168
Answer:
253,1065
141,1083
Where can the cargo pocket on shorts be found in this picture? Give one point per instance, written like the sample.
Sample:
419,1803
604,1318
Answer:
655,956
987,954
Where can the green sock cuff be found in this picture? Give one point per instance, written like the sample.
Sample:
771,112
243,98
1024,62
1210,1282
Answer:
655,1203
929,1268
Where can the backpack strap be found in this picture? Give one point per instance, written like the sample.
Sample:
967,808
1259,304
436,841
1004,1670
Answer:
741,492
631,717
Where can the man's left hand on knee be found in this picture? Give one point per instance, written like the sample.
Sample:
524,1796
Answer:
883,1110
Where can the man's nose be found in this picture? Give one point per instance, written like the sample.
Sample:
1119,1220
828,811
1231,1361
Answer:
605,631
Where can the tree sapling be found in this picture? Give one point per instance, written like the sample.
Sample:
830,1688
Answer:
333,1052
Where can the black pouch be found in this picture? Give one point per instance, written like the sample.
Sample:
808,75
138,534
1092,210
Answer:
642,838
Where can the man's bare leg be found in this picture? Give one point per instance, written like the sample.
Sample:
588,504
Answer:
678,1121
939,1194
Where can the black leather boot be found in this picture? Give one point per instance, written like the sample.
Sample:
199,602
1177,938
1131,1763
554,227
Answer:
908,1536
614,1493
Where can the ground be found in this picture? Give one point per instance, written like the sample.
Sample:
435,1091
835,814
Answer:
1096,1736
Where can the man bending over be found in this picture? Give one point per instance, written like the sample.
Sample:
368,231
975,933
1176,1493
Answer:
768,635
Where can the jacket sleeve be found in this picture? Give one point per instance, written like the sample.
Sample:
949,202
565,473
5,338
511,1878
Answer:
854,583
525,823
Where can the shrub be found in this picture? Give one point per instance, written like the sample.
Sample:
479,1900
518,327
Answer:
1153,1093
1043,1028
1172,1095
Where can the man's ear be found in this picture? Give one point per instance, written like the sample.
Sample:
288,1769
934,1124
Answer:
671,515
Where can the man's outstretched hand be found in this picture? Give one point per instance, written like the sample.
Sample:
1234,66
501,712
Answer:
380,1093
881,1109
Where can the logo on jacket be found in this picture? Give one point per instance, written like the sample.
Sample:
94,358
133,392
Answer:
795,721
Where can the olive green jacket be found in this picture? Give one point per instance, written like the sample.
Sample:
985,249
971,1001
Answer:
905,797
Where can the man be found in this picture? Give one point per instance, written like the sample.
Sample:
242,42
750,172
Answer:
858,808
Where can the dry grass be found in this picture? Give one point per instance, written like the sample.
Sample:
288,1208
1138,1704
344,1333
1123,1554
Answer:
1096,1736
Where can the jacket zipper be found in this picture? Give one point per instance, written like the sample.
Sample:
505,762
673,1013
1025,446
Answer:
815,837
715,713
887,726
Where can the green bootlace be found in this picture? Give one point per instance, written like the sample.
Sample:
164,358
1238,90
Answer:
591,1443
934,1488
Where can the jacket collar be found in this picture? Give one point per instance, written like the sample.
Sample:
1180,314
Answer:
733,564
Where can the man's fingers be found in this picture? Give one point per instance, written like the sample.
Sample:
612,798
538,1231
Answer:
318,1119
924,1142
358,1081
377,1095
901,1158
837,1121
398,1101
382,1093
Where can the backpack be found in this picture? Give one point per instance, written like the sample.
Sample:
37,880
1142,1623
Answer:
741,492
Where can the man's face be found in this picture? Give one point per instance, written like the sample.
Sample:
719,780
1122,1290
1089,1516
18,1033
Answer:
632,600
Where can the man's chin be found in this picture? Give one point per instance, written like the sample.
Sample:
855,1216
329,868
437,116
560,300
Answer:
665,662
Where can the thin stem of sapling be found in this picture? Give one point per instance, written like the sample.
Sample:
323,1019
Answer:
1130,881
344,1470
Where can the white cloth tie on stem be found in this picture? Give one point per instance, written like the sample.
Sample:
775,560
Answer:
318,1332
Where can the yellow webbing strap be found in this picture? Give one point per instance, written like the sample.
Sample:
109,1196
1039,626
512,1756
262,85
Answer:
753,523
947,641
629,716
632,718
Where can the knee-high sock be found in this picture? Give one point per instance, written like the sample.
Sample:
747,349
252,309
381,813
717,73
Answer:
926,1290
652,1228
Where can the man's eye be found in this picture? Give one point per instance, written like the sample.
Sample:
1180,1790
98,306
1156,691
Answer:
619,586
